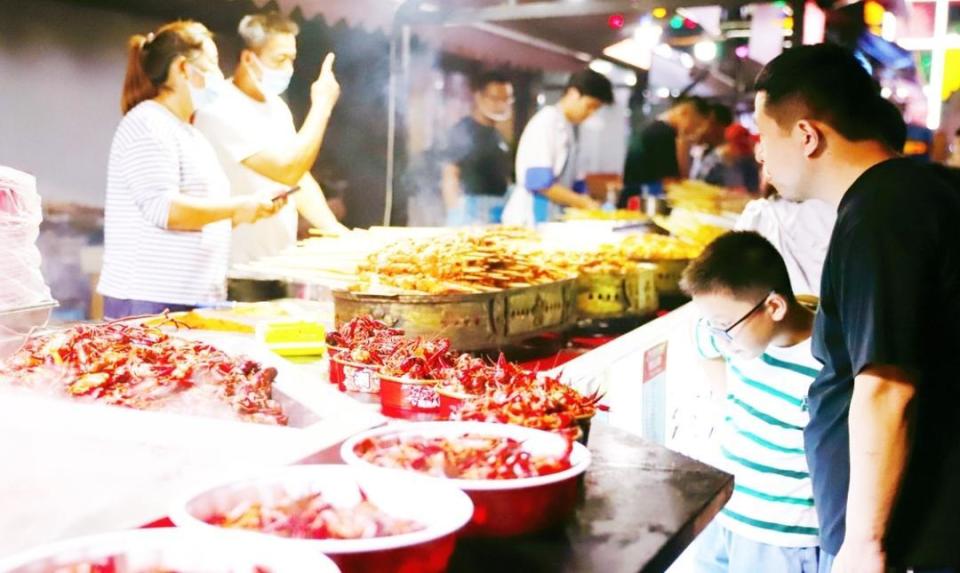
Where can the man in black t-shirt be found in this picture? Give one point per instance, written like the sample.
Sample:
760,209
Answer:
653,153
477,162
883,441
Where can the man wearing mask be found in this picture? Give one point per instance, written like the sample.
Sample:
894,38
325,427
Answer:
252,130
654,155
546,155
476,168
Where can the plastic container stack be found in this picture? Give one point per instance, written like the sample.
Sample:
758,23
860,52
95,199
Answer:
21,283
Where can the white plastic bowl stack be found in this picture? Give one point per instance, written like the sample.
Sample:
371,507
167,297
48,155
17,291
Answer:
170,550
21,283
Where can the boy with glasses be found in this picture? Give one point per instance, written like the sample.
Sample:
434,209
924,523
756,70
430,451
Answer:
752,320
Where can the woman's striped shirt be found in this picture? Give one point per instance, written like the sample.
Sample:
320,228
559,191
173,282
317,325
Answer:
154,157
761,440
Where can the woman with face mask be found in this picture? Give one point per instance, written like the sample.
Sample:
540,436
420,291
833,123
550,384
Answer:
168,208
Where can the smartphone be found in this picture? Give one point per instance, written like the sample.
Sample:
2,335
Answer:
284,194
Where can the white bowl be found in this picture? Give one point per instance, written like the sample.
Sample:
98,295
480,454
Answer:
171,549
442,510
534,441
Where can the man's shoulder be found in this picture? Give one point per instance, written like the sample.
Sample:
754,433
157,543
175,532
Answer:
659,128
231,102
464,129
548,117
899,191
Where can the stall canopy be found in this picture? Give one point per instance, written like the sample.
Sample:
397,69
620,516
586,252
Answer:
556,35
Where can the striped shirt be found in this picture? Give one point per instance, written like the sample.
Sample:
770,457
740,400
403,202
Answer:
761,442
155,157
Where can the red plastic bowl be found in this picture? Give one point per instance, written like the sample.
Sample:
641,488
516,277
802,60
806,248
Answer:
407,398
450,401
502,508
354,376
443,509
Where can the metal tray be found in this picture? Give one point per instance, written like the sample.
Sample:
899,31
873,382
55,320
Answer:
472,321
17,324
632,293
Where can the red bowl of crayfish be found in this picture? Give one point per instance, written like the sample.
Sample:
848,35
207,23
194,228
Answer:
409,398
451,400
352,376
504,506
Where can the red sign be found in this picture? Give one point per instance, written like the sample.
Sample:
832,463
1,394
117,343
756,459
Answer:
654,362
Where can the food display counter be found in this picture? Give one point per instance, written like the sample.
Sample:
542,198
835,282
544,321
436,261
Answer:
89,467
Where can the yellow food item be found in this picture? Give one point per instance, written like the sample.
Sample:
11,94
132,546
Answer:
473,261
573,214
651,247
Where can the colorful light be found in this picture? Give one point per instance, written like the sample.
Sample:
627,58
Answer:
676,22
648,34
689,24
705,51
788,23
873,14
742,52
660,12
616,21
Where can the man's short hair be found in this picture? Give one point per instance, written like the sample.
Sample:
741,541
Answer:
891,126
482,80
722,114
827,83
593,84
256,29
742,263
702,106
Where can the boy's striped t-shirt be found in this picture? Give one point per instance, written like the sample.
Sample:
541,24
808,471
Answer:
761,441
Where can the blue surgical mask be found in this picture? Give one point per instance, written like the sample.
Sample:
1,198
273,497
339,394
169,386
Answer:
272,81
213,84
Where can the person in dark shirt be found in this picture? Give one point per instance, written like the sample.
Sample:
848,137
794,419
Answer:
883,441
652,155
477,163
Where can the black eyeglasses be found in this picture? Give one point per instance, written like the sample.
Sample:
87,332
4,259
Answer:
724,333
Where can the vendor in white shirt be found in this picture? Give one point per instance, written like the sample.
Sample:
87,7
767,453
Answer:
252,131
546,155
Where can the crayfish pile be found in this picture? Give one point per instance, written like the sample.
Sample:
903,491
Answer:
365,340
313,517
468,456
143,368
513,395
495,392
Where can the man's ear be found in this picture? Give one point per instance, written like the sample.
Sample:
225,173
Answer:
811,137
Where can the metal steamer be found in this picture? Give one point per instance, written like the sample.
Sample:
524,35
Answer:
481,321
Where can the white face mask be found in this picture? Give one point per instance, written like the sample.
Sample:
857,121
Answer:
213,84
272,81
497,117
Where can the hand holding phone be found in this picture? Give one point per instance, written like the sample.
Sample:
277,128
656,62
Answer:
284,194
